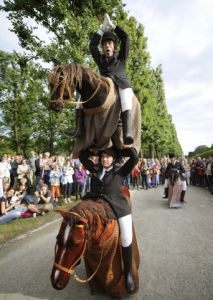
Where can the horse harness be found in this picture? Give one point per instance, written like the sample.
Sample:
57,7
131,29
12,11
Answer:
61,100
70,270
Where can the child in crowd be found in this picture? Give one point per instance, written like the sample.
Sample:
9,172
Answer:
67,180
55,179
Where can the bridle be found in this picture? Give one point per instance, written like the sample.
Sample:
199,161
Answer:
71,270
72,100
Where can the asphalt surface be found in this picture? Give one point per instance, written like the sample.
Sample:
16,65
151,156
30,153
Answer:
176,247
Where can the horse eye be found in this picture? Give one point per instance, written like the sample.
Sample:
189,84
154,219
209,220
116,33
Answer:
78,223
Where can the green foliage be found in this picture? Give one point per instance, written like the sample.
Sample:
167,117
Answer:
68,25
26,121
202,151
205,154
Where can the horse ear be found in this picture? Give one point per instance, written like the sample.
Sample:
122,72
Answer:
63,213
68,214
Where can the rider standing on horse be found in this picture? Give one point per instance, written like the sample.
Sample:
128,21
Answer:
106,182
112,64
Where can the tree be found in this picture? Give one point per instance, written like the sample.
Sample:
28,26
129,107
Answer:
166,132
68,25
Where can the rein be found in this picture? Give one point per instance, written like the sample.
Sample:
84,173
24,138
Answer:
70,270
73,100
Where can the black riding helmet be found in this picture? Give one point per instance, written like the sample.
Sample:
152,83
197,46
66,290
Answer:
108,36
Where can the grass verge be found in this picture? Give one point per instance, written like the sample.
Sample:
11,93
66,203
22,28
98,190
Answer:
20,226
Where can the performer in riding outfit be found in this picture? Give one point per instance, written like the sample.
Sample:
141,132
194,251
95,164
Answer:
175,166
107,179
112,64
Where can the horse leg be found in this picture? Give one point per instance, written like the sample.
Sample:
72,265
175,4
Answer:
79,124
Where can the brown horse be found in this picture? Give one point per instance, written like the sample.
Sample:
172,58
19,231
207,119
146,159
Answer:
101,106
90,230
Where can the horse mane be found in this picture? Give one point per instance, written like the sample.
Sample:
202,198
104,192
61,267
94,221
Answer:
67,76
99,209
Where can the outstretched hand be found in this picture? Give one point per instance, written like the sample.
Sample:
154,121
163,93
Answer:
110,25
104,26
107,24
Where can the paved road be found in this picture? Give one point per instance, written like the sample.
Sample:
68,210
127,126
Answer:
176,254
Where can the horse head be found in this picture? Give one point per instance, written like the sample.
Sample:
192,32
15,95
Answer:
63,80
70,247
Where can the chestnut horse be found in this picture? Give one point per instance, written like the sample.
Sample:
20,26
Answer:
90,230
101,107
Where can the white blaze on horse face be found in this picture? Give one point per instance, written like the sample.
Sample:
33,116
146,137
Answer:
65,238
66,234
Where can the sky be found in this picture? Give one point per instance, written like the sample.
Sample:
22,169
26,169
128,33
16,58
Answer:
180,39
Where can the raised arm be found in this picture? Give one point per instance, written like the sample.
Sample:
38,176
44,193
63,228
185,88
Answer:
87,163
130,163
93,46
125,42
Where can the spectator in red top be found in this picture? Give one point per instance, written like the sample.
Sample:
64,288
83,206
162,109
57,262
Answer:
135,177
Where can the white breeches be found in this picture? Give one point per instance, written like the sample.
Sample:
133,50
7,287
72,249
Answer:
126,98
125,225
183,184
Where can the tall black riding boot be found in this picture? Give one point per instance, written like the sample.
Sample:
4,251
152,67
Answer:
127,124
166,191
182,195
127,260
79,123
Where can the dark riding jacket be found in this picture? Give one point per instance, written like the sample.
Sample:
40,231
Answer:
108,188
175,168
113,67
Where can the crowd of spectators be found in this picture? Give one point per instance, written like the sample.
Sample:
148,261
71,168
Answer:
33,186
